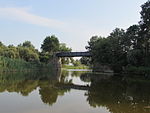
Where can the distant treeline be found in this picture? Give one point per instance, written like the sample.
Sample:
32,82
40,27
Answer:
125,48
27,52
25,56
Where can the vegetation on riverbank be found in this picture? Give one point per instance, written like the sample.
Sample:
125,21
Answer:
24,57
15,65
127,50
142,70
75,67
123,50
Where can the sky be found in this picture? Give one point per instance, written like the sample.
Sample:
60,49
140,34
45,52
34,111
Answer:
73,22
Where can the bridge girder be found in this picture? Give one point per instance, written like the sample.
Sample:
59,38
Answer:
73,54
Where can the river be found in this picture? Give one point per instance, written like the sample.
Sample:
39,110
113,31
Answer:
73,91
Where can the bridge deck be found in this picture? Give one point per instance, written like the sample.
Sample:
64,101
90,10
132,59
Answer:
73,54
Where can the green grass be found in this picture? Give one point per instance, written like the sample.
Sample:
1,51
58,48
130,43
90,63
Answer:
15,65
75,67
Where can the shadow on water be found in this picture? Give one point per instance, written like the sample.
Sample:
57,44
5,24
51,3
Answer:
119,94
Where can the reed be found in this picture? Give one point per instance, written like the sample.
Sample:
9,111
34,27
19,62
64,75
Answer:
13,65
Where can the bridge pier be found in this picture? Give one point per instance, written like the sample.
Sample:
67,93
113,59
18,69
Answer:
56,61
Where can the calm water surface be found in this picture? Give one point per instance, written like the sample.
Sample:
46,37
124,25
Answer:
73,91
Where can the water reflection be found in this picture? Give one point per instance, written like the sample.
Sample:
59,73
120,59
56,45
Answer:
119,94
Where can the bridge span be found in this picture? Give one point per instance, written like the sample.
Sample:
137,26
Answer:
73,54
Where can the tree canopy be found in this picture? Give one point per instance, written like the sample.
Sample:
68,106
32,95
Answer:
50,44
124,47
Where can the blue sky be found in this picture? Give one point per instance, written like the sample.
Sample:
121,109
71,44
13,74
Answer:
72,21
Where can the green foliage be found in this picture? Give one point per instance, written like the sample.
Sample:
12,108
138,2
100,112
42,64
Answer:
13,65
85,60
25,51
45,57
27,44
28,54
50,44
109,50
7,64
92,42
64,48
76,63
135,57
132,38
122,48
145,31
75,67
141,70
1,44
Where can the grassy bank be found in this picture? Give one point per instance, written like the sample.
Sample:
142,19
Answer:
137,70
75,67
13,65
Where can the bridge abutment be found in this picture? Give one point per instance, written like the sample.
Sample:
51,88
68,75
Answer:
56,62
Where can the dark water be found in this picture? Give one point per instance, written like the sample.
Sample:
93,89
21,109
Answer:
73,91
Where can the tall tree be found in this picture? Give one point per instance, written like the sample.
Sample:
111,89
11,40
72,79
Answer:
145,30
132,40
91,43
50,44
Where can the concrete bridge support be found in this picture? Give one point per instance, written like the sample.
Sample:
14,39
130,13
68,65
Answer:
56,62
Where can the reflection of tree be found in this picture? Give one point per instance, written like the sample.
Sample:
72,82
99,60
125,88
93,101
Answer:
17,82
48,95
27,87
49,91
25,83
86,77
120,95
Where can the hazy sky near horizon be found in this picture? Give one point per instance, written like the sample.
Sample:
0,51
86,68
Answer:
74,22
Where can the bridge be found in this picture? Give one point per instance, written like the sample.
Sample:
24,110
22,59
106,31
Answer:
73,54
73,86
57,57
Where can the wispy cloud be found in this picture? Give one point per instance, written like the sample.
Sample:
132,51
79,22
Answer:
78,32
23,14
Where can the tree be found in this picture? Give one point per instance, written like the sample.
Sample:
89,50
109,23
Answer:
50,44
28,55
44,57
145,30
85,61
76,63
110,50
64,48
133,43
1,44
132,40
135,57
91,43
28,44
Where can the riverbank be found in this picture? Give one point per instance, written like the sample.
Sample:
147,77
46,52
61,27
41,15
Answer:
141,70
18,65
75,67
